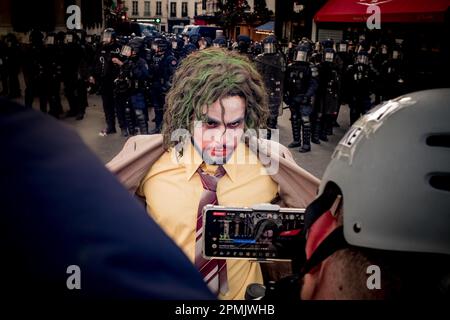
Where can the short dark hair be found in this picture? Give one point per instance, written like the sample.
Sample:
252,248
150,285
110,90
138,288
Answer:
404,275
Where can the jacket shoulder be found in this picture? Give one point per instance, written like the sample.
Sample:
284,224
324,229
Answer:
134,147
274,148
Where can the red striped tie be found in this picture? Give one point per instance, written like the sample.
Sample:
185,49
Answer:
214,271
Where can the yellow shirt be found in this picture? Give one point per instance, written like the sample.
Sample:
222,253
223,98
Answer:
172,190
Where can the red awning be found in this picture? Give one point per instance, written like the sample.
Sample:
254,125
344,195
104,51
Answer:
407,11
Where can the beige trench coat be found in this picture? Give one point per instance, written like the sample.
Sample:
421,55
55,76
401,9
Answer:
296,187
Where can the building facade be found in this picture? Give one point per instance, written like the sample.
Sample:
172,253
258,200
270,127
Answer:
209,8
170,12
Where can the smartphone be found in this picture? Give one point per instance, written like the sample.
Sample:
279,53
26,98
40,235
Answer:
262,232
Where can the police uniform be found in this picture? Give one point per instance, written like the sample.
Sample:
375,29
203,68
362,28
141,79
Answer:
272,66
301,85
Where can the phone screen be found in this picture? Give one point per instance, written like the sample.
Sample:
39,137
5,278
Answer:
246,233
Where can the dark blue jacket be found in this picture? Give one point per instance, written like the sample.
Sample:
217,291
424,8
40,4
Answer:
61,207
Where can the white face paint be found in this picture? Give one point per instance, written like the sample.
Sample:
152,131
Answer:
342,47
174,44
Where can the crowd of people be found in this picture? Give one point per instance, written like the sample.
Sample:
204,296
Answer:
133,74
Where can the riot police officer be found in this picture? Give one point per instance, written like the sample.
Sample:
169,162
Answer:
272,66
327,93
243,45
162,69
53,74
189,47
343,53
300,87
73,56
347,58
87,56
105,72
392,75
132,77
122,87
257,49
3,71
204,42
220,42
290,52
360,78
177,47
33,70
11,66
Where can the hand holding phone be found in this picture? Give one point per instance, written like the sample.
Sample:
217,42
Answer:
262,232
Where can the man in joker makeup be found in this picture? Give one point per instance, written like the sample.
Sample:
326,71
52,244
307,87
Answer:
210,135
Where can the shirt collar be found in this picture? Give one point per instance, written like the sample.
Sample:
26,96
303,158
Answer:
191,159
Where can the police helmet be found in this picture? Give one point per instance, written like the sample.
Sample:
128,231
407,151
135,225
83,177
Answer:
108,35
302,51
257,48
136,45
176,43
208,41
188,49
270,44
328,44
362,57
162,45
342,46
243,43
220,42
193,38
328,55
